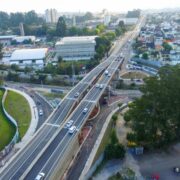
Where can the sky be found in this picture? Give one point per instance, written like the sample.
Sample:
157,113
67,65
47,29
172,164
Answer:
85,5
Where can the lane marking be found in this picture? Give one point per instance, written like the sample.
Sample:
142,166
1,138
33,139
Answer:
49,124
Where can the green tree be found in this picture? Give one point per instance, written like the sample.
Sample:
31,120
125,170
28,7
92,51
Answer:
4,20
61,27
155,117
145,55
167,46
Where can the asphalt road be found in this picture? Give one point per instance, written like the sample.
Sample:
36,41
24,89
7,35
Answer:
51,137
56,150
45,134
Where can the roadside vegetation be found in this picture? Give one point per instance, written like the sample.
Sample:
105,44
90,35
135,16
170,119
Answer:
110,146
7,130
155,117
17,106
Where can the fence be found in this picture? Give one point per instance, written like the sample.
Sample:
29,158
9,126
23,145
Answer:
15,139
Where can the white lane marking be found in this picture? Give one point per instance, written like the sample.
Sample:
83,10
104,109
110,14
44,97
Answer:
49,124
49,130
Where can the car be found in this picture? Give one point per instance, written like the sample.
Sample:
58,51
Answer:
97,85
40,176
109,75
38,103
106,72
69,124
85,110
76,94
72,129
101,86
40,112
176,170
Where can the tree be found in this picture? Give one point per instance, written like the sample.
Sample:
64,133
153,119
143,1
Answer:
167,46
155,117
4,20
145,55
1,53
61,27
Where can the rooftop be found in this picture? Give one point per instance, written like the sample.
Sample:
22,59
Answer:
76,39
27,54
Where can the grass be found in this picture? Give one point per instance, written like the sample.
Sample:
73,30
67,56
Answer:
18,107
105,141
53,95
134,75
7,130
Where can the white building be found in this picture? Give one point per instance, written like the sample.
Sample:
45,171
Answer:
51,16
107,19
128,21
29,57
76,48
21,39
6,40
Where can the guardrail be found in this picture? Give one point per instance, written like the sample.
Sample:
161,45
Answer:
15,138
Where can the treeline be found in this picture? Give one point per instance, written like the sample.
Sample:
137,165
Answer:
13,19
155,117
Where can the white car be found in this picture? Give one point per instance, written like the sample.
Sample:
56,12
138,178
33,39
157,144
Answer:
76,94
85,110
101,86
72,129
40,176
69,124
40,112
97,85
106,72
109,75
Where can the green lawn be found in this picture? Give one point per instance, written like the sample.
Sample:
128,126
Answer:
18,107
7,130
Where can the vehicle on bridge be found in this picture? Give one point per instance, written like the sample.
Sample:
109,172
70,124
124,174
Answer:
40,176
72,129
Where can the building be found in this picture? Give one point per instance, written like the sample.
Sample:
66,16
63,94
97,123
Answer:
24,39
29,58
6,40
76,48
51,16
107,19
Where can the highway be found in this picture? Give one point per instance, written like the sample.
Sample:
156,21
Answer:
55,151
49,144
48,130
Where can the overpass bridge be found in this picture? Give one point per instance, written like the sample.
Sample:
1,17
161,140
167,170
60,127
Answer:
51,145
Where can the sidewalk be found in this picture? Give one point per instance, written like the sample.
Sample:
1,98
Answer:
34,120
96,146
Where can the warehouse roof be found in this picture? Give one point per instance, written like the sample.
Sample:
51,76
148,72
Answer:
29,54
77,39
